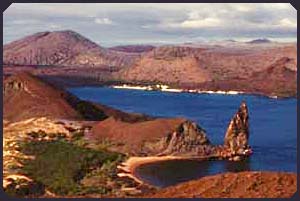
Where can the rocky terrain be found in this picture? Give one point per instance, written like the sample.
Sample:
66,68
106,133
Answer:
72,60
234,185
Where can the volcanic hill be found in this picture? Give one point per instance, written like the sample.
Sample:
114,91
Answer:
27,96
62,48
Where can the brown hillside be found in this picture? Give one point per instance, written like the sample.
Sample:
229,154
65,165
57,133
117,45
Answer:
234,185
196,64
25,96
152,137
167,65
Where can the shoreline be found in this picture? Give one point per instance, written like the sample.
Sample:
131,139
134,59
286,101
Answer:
166,88
128,167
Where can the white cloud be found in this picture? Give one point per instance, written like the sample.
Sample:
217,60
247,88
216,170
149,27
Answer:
105,21
153,21
200,23
286,22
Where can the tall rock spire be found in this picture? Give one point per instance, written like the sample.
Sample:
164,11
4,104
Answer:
237,134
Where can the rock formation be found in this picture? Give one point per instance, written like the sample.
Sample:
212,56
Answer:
237,134
176,137
159,136
188,137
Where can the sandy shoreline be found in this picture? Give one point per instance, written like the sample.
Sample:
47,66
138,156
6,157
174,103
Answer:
128,167
166,88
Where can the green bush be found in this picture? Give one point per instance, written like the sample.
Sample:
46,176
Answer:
60,165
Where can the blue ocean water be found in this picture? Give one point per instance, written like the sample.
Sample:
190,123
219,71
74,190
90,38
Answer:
273,124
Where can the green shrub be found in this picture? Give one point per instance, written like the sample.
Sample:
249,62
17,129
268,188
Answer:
60,165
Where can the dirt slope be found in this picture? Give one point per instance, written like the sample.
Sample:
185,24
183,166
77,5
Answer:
26,96
234,185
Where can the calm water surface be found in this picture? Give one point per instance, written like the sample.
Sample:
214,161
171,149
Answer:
273,129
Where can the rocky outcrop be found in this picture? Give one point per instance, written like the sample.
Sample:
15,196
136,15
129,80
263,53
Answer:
160,136
175,137
188,137
237,134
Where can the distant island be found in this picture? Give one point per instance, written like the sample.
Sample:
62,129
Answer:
67,58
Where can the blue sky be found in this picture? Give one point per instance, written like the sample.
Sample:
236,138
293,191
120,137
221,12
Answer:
115,24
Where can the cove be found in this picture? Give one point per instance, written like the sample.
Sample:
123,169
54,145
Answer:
273,128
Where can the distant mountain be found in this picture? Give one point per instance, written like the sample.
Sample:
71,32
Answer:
62,48
195,65
258,41
133,48
279,79
167,64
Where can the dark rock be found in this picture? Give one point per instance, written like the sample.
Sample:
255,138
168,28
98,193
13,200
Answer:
187,138
237,134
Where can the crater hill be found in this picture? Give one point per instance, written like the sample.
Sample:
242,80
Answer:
62,48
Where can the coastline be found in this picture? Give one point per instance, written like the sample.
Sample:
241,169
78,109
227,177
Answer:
166,88
128,167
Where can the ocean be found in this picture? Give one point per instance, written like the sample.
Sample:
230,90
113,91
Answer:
273,128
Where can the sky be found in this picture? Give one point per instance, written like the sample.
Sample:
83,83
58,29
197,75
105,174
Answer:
160,23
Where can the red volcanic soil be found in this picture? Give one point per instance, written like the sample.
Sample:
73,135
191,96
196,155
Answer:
134,134
25,96
234,185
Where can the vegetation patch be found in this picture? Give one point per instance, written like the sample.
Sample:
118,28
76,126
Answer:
60,166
